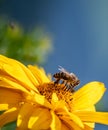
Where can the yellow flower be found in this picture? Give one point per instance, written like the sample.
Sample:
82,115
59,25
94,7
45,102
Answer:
30,98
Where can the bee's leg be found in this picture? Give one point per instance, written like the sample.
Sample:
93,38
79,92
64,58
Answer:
57,81
66,83
67,86
72,88
63,82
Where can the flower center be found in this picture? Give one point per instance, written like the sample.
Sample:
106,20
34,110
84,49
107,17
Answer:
48,89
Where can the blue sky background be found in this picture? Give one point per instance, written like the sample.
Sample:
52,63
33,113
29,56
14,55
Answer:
79,29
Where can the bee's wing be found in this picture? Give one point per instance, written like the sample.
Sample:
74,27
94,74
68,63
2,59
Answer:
62,69
72,74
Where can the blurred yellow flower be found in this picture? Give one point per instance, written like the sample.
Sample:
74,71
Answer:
30,98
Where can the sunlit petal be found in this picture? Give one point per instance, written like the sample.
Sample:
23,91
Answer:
40,119
24,115
75,119
90,125
70,124
6,98
17,71
88,95
98,117
7,83
39,74
8,116
56,123
41,100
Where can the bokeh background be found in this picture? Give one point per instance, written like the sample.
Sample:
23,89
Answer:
72,33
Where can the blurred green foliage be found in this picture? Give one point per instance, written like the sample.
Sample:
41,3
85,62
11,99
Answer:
25,46
10,126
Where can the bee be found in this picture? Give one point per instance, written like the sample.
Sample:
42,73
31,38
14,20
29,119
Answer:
70,80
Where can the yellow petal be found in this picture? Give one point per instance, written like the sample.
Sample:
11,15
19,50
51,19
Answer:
86,108
88,128
54,98
40,119
91,125
88,95
24,115
57,105
76,119
73,118
39,74
64,126
8,116
55,123
72,125
4,107
98,117
18,72
41,100
9,98
7,83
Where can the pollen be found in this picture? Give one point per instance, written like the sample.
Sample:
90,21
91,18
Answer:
48,89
